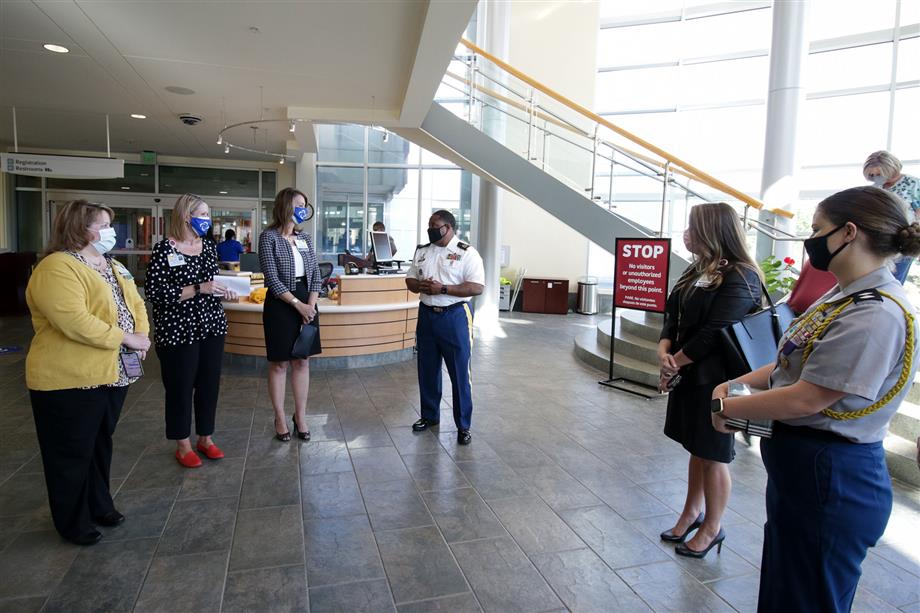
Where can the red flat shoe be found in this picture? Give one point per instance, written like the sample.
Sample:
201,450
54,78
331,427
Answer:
213,452
189,460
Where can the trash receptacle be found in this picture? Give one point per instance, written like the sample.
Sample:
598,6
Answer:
587,296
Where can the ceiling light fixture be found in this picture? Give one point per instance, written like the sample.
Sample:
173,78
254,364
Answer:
221,192
138,116
56,48
224,136
125,187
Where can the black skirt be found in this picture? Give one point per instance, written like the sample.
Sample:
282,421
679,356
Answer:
689,422
281,323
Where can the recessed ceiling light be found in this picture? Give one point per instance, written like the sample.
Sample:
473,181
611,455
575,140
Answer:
138,116
221,192
182,91
125,187
56,48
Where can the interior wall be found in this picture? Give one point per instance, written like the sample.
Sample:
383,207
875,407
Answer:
555,43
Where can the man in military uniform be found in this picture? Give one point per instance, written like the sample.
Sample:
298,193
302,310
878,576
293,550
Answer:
446,273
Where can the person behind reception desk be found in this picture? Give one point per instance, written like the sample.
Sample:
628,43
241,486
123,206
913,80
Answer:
85,311
189,327
292,277
372,256
231,249
447,273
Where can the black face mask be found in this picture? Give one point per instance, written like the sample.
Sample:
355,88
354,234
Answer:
818,252
434,234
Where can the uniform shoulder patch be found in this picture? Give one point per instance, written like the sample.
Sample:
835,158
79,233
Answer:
867,295
420,246
463,245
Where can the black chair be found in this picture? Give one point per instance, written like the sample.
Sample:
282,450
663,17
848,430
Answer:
325,271
249,262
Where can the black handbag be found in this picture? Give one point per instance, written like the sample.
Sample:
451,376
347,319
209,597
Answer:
752,342
303,345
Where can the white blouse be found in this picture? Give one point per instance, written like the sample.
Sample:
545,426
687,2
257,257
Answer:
298,262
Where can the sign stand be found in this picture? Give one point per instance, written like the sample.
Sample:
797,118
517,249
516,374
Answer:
640,263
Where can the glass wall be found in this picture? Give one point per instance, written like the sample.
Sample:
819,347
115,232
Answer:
366,174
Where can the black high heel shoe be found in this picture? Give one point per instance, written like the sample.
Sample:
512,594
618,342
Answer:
683,550
304,436
669,536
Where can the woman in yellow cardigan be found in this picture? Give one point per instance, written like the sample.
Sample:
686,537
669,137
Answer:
90,335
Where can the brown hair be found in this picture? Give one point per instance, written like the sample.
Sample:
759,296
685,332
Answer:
283,209
717,234
182,210
70,229
879,215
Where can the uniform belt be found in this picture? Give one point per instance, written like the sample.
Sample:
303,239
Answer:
438,309
809,432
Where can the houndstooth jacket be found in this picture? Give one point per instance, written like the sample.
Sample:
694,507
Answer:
277,263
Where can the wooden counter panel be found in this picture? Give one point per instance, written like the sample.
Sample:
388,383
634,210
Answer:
244,317
378,284
242,340
244,350
361,342
246,330
348,319
409,344
383,297
335,352
369,332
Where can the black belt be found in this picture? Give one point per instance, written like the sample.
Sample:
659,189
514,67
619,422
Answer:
809,432
438,309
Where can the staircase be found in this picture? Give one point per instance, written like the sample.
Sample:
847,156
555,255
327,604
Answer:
901,442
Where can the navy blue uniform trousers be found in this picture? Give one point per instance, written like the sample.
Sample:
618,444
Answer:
828,501
446,336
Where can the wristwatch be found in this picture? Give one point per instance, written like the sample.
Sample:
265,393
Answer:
717,406
443,289
197,289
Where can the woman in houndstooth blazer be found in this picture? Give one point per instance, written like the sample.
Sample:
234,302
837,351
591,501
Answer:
292,277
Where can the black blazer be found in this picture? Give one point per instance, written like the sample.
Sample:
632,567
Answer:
692,324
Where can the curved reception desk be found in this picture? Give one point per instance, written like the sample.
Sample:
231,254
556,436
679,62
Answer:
371,323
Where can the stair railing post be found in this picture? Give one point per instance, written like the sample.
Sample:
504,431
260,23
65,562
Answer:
531,103
470,73
664,196
593,164
613,152
543,156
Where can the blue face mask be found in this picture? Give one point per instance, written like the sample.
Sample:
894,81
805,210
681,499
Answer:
200,225
300,214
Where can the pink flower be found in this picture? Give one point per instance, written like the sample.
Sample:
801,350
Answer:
788,261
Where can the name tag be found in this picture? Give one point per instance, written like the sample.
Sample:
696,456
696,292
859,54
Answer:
175,259
123,272
300,243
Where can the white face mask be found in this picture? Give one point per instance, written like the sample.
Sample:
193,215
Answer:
106,240
878,180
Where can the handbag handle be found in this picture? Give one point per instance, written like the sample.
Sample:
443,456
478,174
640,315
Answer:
774,316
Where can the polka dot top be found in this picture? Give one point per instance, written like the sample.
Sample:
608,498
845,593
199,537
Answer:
183,323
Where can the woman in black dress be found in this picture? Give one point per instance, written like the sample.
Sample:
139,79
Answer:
720,287
189,327
293,280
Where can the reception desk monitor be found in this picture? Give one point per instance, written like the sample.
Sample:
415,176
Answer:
383,255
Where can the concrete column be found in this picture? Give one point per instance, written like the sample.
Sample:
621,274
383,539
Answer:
493,31
305,181
779,184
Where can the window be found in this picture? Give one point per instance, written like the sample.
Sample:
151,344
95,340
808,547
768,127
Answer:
392,195
843,129
834,18
905,140
451,191
846,68
909,59
269,186
725,81
636,45
340,143
340,206
138,178
648,88
29,221
209,181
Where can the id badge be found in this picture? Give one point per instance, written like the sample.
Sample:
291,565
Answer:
300,243
124,272
131,360
175,259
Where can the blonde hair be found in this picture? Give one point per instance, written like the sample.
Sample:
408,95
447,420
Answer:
887,163
717,234
71,224
182,210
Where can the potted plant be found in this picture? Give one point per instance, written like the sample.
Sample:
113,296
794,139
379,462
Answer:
779,275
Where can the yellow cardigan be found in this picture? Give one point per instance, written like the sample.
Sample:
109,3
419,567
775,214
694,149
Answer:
77,337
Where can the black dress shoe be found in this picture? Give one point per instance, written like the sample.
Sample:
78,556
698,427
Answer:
669,536
110,519
684,550
423,424
464,437
89,538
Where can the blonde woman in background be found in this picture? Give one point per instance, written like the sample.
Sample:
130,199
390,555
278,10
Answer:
884,170
189,327
86,312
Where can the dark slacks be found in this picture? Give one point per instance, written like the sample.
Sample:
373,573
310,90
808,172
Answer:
445,337
75,428
191,378
828,501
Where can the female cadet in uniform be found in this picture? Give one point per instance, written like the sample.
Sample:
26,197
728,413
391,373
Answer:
840,376
719,288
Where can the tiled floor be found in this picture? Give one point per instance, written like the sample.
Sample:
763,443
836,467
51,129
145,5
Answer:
556,504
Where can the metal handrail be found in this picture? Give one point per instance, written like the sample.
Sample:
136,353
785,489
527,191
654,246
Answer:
671,159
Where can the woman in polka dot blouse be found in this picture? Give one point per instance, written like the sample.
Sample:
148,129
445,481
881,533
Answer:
189,327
